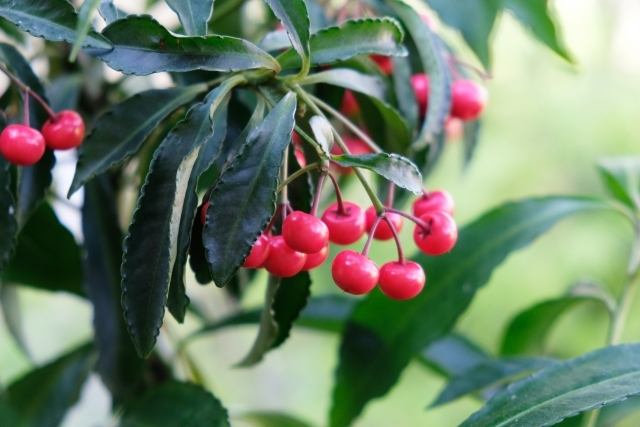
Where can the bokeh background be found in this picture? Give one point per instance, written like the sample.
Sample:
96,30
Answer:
547,125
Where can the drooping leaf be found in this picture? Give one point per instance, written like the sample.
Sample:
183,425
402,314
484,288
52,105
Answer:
193,14
452,355
12,316
47,244
197,257
405,95
271,419
490,373
109,11
8,223
275,41
153,232
381,36
621,175
243,200
42,397
397,169
323,132
349,79
121,131
565,389
142,46
294,17
119,366
176,404
290,300
385,124
526,333
374,350
83,26
470,140
54,20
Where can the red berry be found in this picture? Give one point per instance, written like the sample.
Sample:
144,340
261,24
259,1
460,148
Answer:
203,212
438,200
302,160
282,260
259,253
383,231
401,281
384,62
305,233
355,146
317,259
349,105
468,99
21,145
295,139
347,227
440,237
354,273
64,131
420,83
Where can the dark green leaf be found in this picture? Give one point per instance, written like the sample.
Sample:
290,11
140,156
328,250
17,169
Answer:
300,190
142,46
64,91
453,355
562,390
12,31
489,373
45,243
7,414
109,11
54,20
176,404
382,36
290,300
526,333
197,256
271,419
243,200
385,124
42,397
8,223
621,175
153,232
83,26
193,14
405,95
393,167
349,79
121,131
12,316
470,140
375,349
294,17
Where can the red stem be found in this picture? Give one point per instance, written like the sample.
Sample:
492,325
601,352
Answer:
390,195
316,199
401,258
420,223
25,110
341,210
23,87
367,245
273,220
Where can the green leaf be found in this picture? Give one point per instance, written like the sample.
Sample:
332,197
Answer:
193,14
375,349
397,169
142,46
470,140
475,20
323,132
109,11
64,91
83,26
526,333
153,232
12,316
275,41
8,223
405,95
7,414
243,200
349,79
118,364
490,373
387,127
562,390
121,131
176,404
294,17
12,31
178,301
381,36
452,355
271,419
621,175
54,20
42,397
290,300
44,242
536,16
300,191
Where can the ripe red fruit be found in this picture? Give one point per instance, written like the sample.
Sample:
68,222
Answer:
317,259
259,253
203,212
401,281
354,273
282,260
355,146
349,105
383,231
21,145
438,200
305,233
64,131
298,150
440,237
347,227
384,62
468,99
420,83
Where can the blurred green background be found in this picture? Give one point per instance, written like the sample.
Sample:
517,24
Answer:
546,126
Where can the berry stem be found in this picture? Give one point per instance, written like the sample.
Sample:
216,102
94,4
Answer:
390,195
27,90
316,198
26,113
341,210
367,245
420,223
296,174
401,259
267,230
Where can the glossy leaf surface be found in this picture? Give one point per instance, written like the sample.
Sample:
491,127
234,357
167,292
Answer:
349,79
193,14
397,169
294,17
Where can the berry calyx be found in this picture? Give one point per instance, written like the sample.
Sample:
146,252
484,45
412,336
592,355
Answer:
22,145
385,63
64,131
420,84
203,212
441,235
468,99
347,226
354,273
259,253
316,260
305,233
355,146
349,105
282,260
383,231
401,281
438,200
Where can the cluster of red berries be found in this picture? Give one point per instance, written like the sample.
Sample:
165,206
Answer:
23,145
